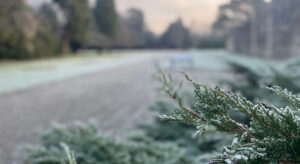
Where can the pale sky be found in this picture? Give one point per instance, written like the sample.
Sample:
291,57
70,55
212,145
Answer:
196,14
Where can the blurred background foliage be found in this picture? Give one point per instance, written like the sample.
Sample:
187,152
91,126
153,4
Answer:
60,27
260,28
254,27
90,147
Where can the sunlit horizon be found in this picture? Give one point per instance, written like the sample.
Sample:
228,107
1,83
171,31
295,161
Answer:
197,15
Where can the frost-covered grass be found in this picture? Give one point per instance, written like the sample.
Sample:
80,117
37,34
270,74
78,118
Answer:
217,60
23,74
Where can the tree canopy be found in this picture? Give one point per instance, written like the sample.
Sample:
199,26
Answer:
176,36
79,19
106,17
22,33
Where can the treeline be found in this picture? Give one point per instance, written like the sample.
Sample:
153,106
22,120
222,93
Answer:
65,26
261,27
22,33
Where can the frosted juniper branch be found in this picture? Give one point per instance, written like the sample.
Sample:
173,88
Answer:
168,89
251,115
255,116
231,99
69,154
271,137
243,129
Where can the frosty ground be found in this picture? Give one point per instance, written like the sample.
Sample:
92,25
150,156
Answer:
115,89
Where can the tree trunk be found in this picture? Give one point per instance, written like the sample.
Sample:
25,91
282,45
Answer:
65,46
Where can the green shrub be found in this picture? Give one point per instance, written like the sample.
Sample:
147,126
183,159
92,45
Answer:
197,148
252,83
211,41
273,134
91,147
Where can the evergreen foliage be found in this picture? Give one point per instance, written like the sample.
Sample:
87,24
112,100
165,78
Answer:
198,148
273,134
252,83
176,36
91,147
51,18
70,155
136,19
79,19
210,41
106,17
22,33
